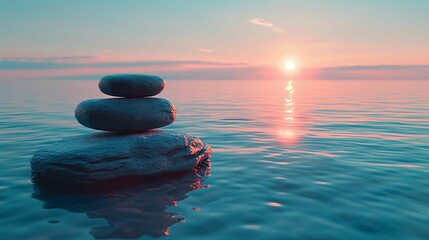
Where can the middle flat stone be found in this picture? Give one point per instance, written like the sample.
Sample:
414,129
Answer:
125,114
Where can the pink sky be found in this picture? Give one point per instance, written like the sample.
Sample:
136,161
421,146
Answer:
219,40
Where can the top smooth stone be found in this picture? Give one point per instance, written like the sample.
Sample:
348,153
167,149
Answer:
131,85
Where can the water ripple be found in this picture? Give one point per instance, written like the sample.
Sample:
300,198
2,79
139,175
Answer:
356,166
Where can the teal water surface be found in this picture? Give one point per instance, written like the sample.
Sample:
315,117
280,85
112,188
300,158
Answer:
291,160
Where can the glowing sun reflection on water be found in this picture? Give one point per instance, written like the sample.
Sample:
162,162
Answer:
289,111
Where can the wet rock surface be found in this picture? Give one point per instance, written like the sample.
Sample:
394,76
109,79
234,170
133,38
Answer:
90,158
131,85
125,114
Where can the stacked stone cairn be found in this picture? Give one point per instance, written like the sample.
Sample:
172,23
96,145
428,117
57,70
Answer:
129,147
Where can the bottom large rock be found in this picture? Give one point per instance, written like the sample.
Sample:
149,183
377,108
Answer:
94,158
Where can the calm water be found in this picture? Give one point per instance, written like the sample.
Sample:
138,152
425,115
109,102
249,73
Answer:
292,160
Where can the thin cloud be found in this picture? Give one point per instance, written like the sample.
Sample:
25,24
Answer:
32,68
249,72
377,67
266,23
106,51
261,22
277,30
57,59
218,73
31,64
206,50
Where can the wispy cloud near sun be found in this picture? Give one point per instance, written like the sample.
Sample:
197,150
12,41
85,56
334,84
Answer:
261,22
266,23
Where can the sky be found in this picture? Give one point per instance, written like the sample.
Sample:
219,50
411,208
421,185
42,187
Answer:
222,39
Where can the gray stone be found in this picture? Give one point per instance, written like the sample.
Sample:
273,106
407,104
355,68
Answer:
131,85
125,114
91,158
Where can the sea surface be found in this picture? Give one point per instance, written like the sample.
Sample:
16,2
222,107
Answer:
291,159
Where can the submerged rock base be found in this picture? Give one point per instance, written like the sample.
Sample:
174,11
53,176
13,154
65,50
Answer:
130,211
85,161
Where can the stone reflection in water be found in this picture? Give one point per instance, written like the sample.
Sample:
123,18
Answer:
133,212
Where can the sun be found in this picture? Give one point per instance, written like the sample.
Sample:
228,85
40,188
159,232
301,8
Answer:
290,65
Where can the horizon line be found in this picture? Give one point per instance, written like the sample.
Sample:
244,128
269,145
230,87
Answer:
72,67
